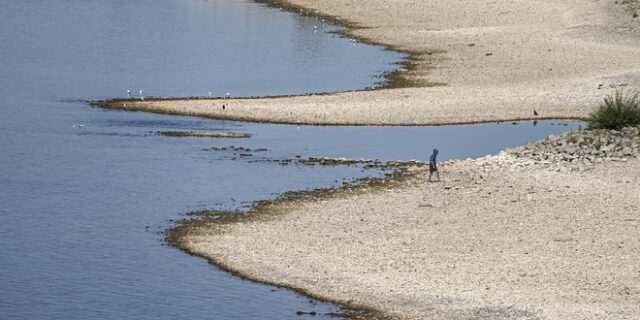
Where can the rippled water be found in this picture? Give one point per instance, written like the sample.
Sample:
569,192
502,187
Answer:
83,208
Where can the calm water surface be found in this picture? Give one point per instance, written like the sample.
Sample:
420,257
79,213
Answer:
82,208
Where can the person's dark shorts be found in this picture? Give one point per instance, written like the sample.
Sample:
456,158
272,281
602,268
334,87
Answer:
432,168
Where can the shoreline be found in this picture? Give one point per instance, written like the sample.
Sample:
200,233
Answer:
538,289
123,104
338,257
263,210
503,238
460,69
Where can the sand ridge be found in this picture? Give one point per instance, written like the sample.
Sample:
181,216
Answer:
472,61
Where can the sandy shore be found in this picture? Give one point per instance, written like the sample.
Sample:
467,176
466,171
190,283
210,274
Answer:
502,238
489,60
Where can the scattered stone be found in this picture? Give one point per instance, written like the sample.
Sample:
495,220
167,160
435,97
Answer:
301,313
581,147
365,163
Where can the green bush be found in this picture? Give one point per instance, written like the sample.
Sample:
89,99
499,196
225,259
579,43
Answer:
632,6
617,111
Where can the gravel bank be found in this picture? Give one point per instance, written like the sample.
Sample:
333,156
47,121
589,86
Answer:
511,236
576,151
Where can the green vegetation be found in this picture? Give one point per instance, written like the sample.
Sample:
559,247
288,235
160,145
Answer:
597,141
617,111
632,6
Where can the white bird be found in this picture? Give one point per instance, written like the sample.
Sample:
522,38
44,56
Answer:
78,125
209,94
228,95
141,96
128,93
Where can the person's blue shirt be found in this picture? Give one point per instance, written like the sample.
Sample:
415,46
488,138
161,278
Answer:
432,159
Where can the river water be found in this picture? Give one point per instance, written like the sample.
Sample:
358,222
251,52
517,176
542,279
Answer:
86,193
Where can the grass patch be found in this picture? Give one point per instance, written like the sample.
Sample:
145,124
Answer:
631,6
617,111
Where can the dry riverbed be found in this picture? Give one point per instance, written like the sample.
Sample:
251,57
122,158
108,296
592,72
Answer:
539,232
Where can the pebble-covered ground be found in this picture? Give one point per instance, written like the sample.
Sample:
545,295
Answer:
584,145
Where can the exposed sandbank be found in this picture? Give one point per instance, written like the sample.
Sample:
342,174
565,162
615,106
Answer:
502,238
493,61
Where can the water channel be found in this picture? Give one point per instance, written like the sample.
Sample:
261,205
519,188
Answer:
86,193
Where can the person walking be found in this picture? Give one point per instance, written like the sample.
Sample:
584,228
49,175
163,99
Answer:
433,165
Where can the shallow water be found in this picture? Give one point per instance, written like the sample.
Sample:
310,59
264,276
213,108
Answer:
83,208
76,49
